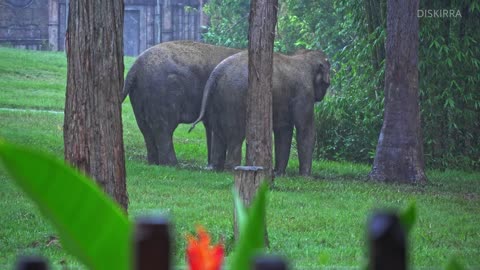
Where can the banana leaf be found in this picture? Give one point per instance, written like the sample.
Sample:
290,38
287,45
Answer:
90,224
252,230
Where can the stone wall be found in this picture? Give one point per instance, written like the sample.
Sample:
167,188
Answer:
41,24
24,23
149,22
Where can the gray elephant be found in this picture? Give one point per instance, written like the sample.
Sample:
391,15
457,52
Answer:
166,85
298,82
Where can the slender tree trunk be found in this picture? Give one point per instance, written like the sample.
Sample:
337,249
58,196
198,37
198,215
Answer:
399,156
263,18
93,125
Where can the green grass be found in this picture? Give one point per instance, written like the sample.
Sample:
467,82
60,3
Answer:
312,221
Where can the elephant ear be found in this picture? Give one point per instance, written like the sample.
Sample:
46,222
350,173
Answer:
322,80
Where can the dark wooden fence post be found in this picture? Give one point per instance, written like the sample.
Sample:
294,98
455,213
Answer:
31,263
269,263
388,244
247,180
152,244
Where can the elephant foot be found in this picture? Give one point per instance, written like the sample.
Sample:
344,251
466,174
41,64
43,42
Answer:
209,167
214,167
306,174
168,163
151,161
279,173
231,167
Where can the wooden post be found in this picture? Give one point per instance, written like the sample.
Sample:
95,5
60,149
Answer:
152,244
269,263
387,243
247,180
32,263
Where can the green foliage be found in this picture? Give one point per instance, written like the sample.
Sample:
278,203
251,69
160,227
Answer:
408,216
240,210
228,22
352,33
454,264
251,230
91,226
449,79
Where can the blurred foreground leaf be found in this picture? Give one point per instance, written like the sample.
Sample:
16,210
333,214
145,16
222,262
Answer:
240,210
408,216
454,264
90,224
252,233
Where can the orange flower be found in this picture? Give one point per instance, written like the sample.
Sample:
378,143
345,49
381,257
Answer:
202,256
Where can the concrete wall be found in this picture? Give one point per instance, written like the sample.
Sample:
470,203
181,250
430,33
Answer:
24,23
41,24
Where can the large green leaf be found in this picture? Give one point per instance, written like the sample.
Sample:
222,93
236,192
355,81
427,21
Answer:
91,226
454,264
240,210
408,216
252,232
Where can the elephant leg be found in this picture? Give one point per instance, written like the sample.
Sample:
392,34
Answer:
303,118
218,152
234,154
152,151
283,142
166,151
305,143
208,133
149,137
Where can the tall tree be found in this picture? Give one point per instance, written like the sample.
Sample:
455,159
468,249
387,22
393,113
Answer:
261,34
399,156
93,125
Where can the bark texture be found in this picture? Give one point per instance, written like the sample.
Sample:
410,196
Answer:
263,18
399,156
92,125
247,180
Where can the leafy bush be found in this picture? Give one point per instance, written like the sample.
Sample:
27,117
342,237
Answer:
228,23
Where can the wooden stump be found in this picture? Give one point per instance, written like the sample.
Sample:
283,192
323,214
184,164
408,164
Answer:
247,181
152,244
388,243
269,262
32,263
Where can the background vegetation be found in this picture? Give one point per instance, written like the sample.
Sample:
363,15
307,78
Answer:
318,221
352,33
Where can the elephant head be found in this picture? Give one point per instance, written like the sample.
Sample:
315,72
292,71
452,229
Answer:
321,70
322,76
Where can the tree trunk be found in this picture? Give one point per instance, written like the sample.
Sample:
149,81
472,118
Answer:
247,180
93,125
399,156
263,18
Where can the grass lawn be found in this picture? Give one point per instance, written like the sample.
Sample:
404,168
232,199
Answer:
317,221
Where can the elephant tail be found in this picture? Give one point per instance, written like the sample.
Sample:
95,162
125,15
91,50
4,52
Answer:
130,81
211,82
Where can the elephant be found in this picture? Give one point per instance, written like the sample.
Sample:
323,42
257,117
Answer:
298,82
165,85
